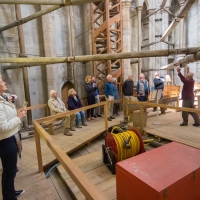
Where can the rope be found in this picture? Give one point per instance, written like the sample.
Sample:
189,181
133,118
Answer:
128,143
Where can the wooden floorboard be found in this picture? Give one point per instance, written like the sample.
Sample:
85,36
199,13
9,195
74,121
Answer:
170,129
35,184
93,167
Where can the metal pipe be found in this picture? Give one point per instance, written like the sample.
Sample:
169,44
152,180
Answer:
48,2
29,18
99,57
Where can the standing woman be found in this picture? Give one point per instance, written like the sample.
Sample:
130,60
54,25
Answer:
9,126
89,88
116,97
142,88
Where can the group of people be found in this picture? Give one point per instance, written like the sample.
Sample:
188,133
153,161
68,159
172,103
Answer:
10,119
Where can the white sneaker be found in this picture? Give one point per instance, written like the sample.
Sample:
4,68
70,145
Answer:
19,193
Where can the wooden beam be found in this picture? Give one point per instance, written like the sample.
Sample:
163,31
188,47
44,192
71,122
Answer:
184,10
184,61
24,69
48,2
169,12
98,57
151,14
88,189
29,18
147,45
163,3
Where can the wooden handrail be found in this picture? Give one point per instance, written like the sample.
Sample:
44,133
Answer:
84,184
163,106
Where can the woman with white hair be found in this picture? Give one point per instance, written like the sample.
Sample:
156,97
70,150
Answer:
142,88
74,102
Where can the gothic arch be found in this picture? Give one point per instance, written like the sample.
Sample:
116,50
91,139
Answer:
64,91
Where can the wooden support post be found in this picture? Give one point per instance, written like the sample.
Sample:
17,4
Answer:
73,53
38,150
184,10
141,119
29,18
24,69
139,10
183,61
106,114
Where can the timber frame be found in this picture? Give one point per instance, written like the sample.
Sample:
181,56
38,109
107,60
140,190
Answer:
83,183
107,37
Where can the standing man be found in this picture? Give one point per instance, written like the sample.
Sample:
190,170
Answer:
97,100
142,88
159,84
127,90
188,97
109,93
57,106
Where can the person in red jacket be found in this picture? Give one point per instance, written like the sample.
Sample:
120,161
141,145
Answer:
188,97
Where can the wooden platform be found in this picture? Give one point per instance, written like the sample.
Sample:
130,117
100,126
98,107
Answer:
69,144
96,171
170,129
35,184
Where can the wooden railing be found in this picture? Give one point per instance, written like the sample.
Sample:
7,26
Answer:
84,184
143,105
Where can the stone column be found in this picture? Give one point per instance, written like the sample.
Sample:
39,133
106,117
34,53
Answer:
134,41
50,50
198,44
164,25
152,38
139,10
126,34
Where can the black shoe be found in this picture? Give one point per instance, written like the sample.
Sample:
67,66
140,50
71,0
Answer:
196,125
112,117
98,115
84,124
17,169
95,116
19,193
109,119
183,124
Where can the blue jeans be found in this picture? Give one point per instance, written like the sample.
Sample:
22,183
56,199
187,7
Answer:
8,154
80,116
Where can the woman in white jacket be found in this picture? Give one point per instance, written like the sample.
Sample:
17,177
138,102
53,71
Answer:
9,126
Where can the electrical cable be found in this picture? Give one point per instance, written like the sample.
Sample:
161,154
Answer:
128,143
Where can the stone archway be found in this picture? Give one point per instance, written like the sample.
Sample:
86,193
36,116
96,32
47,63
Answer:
64,91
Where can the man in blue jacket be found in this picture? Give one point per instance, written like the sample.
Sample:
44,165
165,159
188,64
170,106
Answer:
159,84
109,93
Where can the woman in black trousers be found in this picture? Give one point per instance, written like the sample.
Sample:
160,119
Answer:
9,123
90,97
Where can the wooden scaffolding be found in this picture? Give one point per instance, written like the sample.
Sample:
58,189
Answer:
106,18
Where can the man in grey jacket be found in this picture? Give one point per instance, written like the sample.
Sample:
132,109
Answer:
57,106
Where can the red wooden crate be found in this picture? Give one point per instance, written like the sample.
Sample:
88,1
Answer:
170,172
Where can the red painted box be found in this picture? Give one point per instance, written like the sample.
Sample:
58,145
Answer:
170,172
